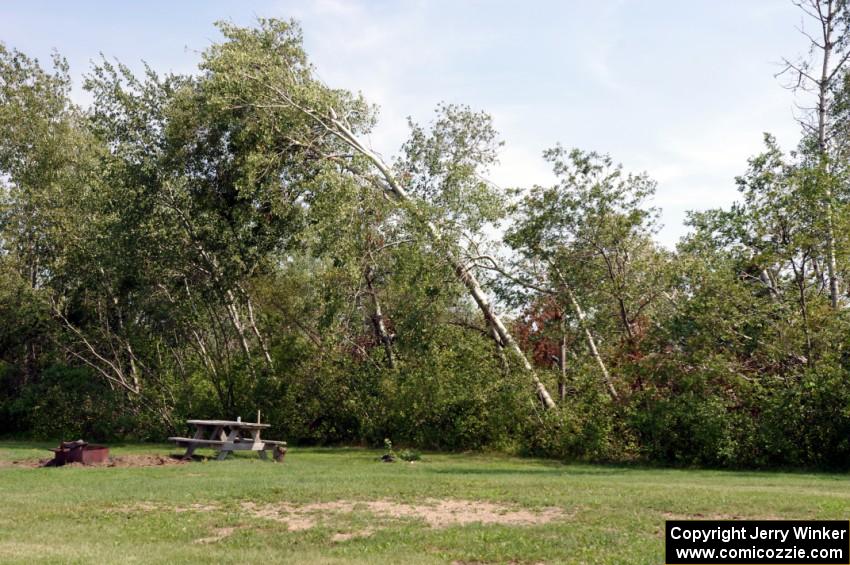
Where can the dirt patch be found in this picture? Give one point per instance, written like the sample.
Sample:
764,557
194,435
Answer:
436,513
711,516
197,508
218,534
138,507
699,516
345,536
296,518
119,461
154,507
443,513
24,463
133,461
490,562
144,461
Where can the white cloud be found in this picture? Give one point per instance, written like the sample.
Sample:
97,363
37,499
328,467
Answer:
520,167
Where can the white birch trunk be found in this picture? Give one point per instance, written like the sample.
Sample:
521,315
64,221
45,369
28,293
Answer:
378,319
464,274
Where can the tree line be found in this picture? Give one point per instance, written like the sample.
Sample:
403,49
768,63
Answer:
226,241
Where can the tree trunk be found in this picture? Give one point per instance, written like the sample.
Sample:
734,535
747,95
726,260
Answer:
830,16
823,93
250,307
236,320
562,361
471,282
800,280
378,319
827,21
591,342
606,376
500,349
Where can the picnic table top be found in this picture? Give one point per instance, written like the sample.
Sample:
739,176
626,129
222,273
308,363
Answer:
228,423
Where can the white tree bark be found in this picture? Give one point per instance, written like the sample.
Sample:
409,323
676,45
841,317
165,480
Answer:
378,319
562,359
591,342
250,307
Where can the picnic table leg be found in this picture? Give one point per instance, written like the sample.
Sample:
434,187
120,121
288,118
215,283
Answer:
190,449
231,438
255,438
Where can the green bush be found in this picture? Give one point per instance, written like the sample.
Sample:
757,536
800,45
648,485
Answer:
69,403
583,427
410,455
805,422
689,429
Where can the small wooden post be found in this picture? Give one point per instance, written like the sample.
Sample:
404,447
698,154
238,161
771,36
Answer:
258,416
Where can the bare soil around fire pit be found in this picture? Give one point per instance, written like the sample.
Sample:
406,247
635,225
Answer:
117,461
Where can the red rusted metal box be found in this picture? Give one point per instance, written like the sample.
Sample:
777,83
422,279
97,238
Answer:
89,454
76,452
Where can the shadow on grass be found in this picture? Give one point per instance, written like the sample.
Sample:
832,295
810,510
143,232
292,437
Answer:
635,470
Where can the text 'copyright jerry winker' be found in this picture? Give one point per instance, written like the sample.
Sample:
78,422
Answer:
694,542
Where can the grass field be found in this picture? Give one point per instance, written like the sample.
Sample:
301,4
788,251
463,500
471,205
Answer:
342,505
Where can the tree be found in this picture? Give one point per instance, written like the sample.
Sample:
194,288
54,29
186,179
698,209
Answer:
43,149
267,71
771,240
819,76
588,239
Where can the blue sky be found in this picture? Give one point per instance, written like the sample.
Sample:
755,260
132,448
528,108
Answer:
682,90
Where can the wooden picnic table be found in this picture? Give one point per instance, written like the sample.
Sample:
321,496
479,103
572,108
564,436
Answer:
227,436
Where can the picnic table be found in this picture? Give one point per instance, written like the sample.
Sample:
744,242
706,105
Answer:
227,436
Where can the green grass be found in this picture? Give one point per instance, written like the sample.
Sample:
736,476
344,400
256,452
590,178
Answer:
612,515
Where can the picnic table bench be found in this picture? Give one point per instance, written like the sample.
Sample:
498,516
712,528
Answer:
227,436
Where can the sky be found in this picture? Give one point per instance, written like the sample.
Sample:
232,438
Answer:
681,90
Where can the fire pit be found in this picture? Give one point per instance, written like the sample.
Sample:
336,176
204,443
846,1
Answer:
79,452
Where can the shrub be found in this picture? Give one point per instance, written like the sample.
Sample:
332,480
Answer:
410,455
